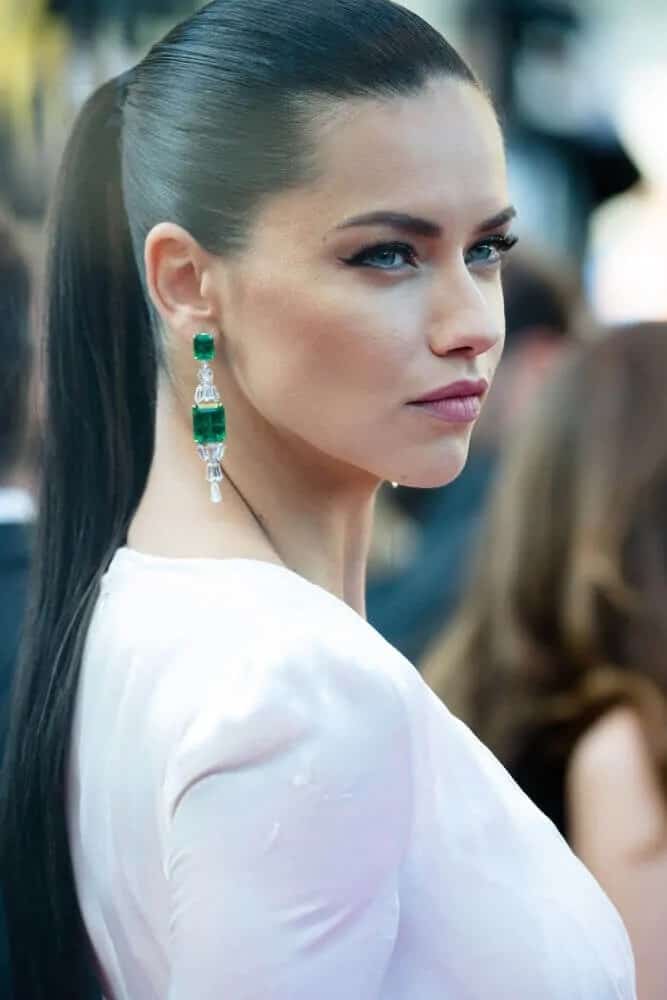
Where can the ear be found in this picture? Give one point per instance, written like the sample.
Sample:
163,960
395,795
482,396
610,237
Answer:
177,269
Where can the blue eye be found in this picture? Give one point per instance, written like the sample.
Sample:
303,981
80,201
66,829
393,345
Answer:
490,251
385,257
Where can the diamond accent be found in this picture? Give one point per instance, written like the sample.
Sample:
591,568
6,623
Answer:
211,452
206,394
214,472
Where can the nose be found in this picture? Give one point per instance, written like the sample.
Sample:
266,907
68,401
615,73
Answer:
467,316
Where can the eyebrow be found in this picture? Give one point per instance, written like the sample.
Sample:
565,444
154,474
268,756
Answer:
421,227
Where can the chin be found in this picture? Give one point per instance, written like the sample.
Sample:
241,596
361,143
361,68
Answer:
439,470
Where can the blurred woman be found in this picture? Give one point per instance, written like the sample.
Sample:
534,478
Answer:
558,656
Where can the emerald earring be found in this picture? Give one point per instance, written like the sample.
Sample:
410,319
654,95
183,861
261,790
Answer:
208,415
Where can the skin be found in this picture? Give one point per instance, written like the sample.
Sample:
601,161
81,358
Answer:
618,827
317,360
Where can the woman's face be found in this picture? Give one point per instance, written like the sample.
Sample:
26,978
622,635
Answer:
334,323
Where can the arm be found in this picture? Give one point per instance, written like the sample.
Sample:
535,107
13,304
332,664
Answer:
618,827
289,804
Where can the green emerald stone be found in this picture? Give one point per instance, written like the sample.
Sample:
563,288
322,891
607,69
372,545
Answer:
209,424
204,347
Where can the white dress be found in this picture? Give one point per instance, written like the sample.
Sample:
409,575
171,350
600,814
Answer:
266,802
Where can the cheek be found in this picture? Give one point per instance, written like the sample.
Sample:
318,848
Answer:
329,349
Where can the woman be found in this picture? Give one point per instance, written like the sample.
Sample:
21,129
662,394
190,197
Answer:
557,657
262,797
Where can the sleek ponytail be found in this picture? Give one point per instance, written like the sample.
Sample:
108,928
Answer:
215,119
100,385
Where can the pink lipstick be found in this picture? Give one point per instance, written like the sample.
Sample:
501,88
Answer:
457,403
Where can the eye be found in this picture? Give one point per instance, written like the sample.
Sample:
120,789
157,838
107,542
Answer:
384,257
490,251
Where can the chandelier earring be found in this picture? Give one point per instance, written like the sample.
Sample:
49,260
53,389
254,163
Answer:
208,416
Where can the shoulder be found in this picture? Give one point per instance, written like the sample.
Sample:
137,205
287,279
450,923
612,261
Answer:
612,787
241,661
288,675
612,750
300,735
248,699
214,612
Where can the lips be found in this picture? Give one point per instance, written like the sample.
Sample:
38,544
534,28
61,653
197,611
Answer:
465,388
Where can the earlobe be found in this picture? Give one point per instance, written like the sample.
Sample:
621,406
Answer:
175,264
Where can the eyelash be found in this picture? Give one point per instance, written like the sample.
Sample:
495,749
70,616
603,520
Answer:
502,244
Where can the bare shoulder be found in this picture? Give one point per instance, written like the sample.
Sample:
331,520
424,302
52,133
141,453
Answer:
614,741
612,785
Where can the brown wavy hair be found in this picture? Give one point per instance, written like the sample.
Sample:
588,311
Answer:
565,616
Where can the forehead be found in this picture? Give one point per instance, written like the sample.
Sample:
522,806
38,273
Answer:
440,149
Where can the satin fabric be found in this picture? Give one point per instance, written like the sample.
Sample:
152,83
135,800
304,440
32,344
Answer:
266,802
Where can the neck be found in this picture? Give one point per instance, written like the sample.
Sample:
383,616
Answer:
281,502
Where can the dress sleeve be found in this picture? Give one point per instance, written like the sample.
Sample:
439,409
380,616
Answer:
287,815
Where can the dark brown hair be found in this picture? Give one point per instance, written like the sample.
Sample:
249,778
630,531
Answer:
566,612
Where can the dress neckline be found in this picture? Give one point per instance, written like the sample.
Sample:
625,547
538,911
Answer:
127,558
